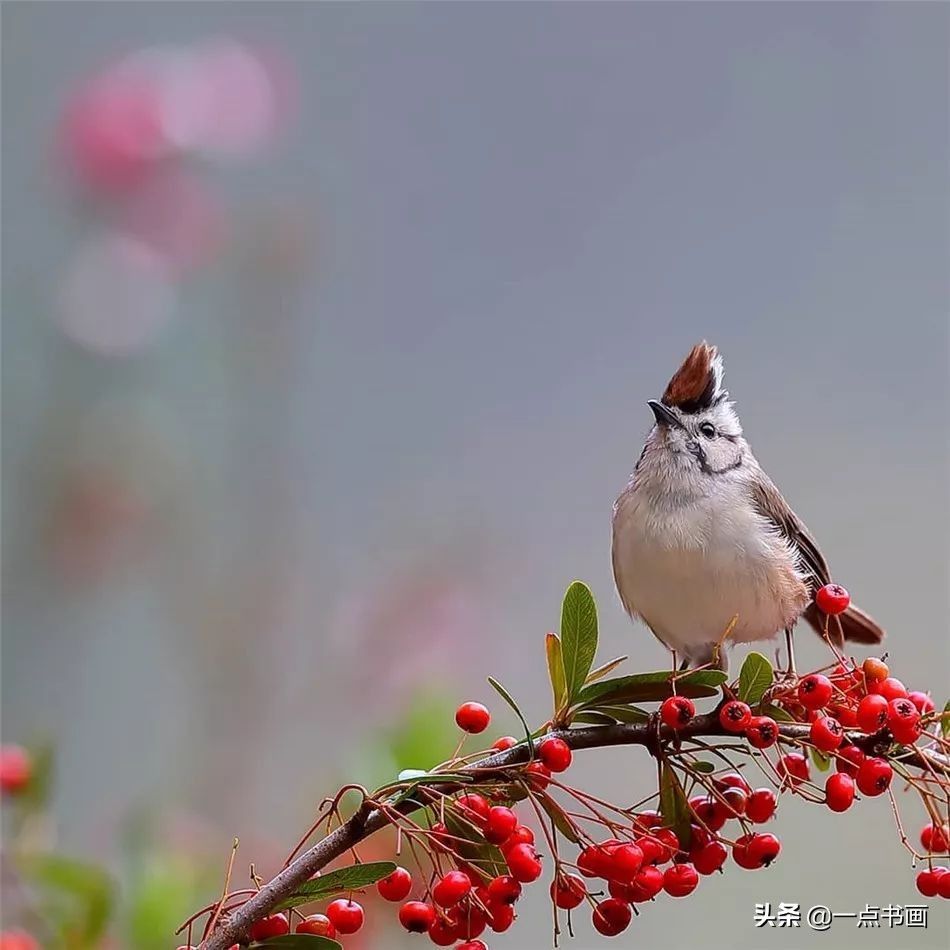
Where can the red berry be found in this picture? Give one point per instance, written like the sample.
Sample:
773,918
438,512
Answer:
677,711
902,715
568,891
504,889
740,853
499,824
624,862
935,839
735,802
646,885
872,713
16,769
594,861
555,753
890,688
839,791
500,917
504,743
814,691
826,734
848,760
317,925
472,717
846,715
669,842
275,925
474,808
874,670
680,880
761,806
417,917
735,716
539,775
612,917
395,886
906,735
523,863
521,835
468,919
442,931
763,849
832,599
346,915
653,851
451,888
709,812
732,780
903,720
794,769
928,881
943,883
698,838
473,945
709,857
762,732
647,820
441,835
922,701
874,776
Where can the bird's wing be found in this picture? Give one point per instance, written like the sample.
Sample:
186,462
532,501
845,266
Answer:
772,506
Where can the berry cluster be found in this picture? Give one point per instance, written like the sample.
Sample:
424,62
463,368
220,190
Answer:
651,857
474,853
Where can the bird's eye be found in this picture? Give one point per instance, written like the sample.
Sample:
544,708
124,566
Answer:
708,429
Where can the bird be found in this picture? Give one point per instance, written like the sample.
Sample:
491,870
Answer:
706,551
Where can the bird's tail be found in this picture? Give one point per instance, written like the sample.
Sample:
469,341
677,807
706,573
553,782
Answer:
854,625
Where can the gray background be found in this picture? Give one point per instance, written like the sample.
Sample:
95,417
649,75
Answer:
524,215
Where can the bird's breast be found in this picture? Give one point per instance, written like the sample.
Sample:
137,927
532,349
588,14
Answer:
689,569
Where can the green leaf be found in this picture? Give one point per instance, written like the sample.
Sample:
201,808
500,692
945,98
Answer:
602,671
506,696
822,761
298,942
705,767
755,678
556,814
632,715
674,806
776,712
88,890
338,882
593,717
650,687
945,720
578,635
424,778
552,646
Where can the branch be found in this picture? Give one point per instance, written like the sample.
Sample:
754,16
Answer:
368,820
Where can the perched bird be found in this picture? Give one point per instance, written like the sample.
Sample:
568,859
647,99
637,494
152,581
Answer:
704,542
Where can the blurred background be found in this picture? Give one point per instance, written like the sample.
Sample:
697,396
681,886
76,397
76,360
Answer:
328,332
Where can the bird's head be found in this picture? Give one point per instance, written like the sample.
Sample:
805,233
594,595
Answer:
696,424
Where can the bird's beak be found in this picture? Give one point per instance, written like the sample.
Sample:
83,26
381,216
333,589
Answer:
663,415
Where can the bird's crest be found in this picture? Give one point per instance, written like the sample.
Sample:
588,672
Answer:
697,384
